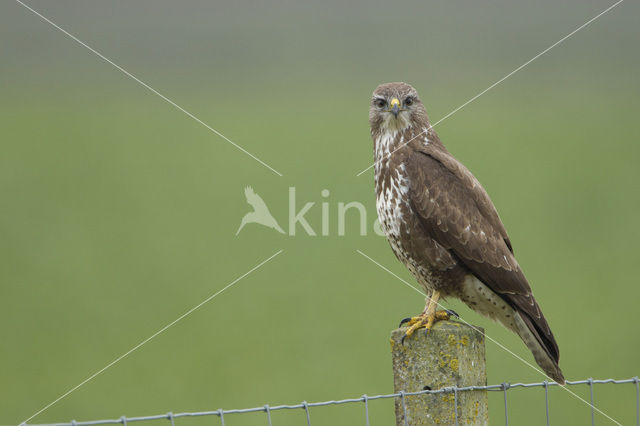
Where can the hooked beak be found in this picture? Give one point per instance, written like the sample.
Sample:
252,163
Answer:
395,107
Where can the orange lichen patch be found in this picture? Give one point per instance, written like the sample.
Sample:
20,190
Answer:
454,364
448,397
452,340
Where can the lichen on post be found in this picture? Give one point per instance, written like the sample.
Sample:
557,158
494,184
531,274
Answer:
451,355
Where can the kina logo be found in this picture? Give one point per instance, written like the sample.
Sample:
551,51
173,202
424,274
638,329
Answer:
330,224
260,213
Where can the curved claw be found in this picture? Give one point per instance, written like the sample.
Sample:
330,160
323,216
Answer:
452,312
402,340
407,319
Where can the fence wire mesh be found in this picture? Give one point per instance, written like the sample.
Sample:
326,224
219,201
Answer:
365,399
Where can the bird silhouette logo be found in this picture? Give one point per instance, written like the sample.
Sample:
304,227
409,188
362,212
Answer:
260,213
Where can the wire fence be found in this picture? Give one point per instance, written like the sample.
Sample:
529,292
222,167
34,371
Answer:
365,399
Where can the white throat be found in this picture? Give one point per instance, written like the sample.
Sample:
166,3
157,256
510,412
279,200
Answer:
393,124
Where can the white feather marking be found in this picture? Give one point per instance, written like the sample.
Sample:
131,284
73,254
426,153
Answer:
390,202
483,300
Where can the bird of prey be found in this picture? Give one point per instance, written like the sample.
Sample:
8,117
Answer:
260,213
442,225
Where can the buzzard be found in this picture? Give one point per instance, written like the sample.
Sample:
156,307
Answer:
442,225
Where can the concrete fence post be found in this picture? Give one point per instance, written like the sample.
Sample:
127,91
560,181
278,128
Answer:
452,354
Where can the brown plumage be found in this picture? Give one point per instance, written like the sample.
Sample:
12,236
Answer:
442,225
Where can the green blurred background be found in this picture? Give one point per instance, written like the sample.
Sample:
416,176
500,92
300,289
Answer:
118,212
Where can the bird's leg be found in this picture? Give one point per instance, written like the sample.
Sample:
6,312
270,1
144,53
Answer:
428,317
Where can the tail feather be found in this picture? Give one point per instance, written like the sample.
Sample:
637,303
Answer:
534,331
542,346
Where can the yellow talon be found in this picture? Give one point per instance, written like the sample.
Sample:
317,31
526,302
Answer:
413,320
425,321
427,318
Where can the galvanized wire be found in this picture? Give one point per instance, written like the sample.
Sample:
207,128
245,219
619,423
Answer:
363,399
266,408
593,414
404,408
546,399
366,408
305,405
505,386
455,405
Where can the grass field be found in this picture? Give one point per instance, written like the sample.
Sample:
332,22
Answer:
119,213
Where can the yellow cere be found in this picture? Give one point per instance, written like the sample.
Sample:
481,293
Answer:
394,102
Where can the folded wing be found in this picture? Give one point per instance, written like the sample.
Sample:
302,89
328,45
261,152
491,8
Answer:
457,212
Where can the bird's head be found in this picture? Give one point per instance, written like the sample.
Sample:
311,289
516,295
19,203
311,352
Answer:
395,107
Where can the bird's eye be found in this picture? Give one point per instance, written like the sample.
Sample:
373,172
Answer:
408,101
380,103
